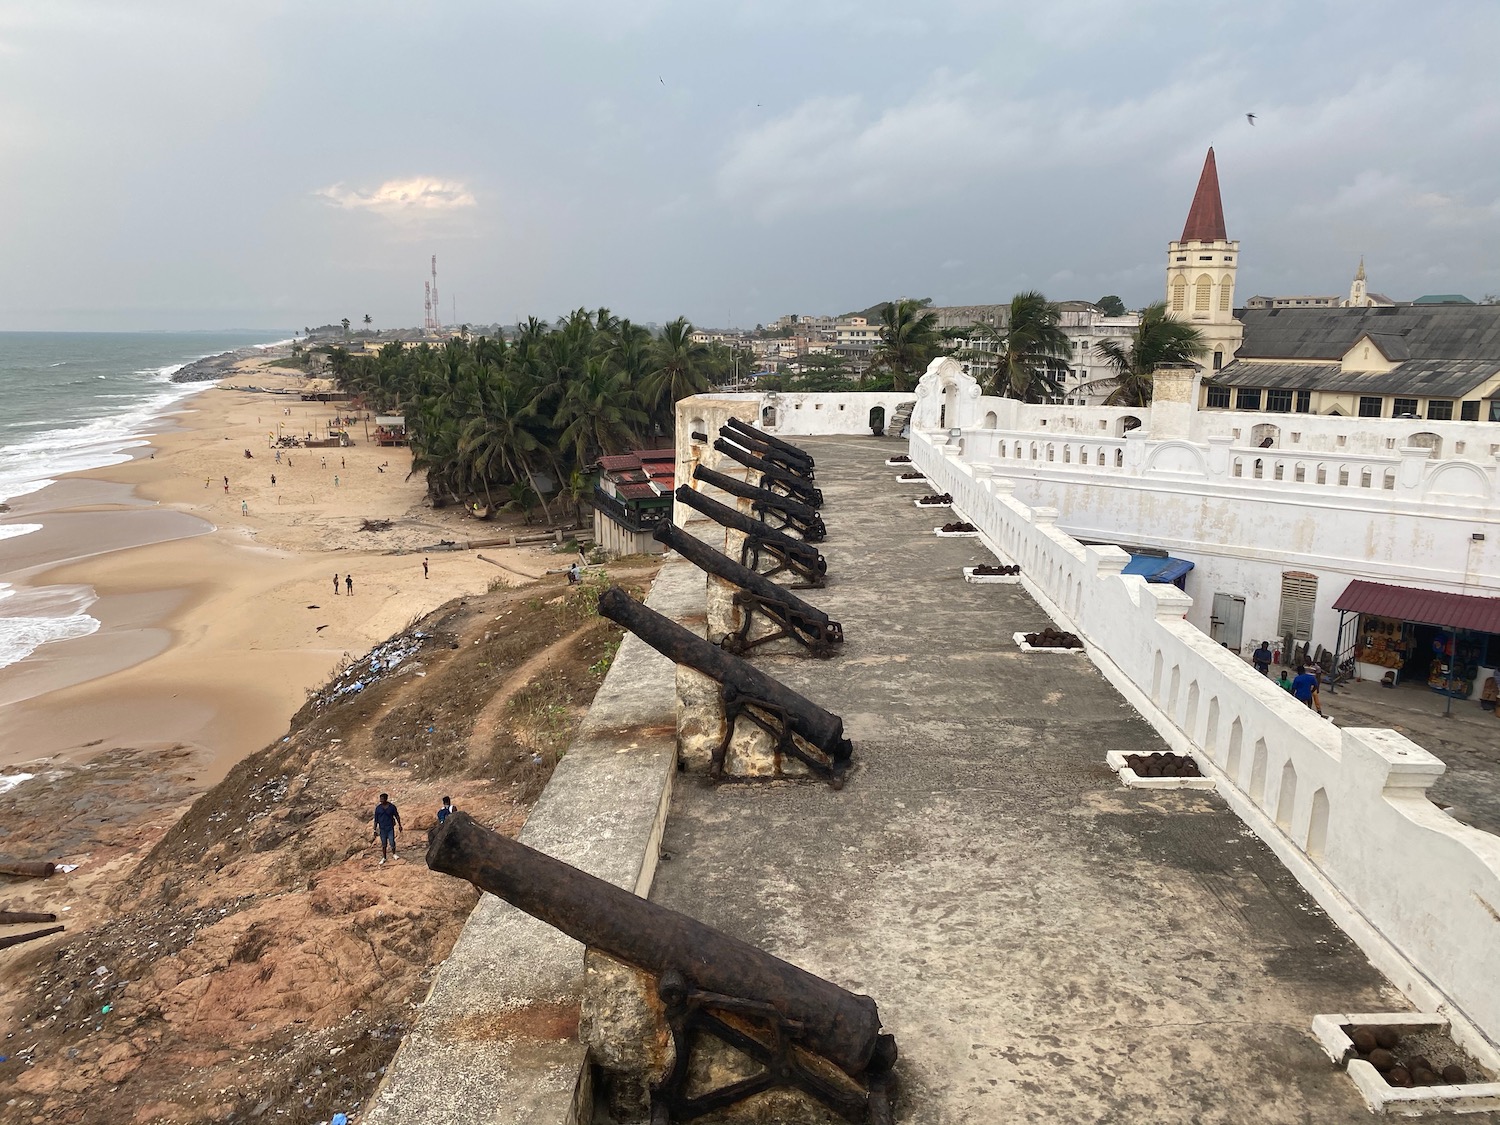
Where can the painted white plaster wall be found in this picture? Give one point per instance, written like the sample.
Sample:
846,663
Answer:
1342,808
1367,504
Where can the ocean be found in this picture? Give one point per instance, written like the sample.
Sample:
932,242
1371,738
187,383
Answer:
81,400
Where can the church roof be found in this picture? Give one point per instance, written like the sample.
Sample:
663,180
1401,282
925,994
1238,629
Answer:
1205,221
1420,378
1424,332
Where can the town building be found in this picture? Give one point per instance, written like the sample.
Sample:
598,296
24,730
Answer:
632,495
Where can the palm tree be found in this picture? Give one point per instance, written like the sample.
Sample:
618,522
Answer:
908,341
680,371
368,321
345,323
598,415
1033,350
1158,339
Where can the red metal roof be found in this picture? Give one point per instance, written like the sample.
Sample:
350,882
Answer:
1425,607
657,455
1205,221
620,461
636,492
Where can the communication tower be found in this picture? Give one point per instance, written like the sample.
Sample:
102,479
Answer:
427,322
437,308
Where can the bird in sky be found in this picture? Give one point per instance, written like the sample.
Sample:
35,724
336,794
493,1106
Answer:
1250,117
660,79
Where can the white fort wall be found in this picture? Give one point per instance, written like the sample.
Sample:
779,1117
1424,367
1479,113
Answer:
1346,810
1338,498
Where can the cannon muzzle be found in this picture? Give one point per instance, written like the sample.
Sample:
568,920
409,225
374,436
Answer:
772,477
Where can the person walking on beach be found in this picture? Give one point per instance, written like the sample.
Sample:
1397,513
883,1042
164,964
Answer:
387,823
335,480
335,583
446,811
424,568
244,507
349,584
341,464
205,482
273,478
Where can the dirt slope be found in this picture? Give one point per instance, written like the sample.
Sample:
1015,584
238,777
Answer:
254,961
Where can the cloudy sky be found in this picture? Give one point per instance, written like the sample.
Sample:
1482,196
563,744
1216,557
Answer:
267,163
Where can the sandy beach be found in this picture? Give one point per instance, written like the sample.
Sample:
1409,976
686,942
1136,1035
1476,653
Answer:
217,608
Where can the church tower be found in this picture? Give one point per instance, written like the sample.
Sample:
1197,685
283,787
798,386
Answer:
1200,272
1359,297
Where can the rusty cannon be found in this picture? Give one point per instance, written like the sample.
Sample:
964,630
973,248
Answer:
799,726
761,540
801,1031
788,614
773,477
770,439
798,463
768,505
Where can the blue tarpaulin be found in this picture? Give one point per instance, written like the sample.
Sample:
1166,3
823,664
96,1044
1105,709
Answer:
1157,568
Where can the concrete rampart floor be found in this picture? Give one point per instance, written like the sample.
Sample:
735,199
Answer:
1044,944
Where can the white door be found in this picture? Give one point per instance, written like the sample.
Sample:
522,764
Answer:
1227,625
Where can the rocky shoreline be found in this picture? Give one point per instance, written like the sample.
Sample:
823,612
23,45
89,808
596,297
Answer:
215,367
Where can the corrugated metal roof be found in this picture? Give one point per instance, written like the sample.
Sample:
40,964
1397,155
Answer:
1463,332
636,492
1425,607
1157,568
620,461
1418,377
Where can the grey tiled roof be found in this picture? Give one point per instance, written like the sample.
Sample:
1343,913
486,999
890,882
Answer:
1417,377
1461,332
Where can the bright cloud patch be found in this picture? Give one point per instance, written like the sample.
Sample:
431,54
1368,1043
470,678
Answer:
396,196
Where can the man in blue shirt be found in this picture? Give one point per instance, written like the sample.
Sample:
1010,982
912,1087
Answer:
1305,688
446,811
387,821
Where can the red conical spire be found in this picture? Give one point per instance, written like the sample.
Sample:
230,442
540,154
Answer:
1205,222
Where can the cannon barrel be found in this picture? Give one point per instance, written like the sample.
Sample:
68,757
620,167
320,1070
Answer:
807,619
791,462
841,1026
804,554
806,719
769,439
806,520
797,486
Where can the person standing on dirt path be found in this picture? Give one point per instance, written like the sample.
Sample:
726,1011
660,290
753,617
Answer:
387,823
335,583
424,568
349,584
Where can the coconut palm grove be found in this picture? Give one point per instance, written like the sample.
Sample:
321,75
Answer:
513,424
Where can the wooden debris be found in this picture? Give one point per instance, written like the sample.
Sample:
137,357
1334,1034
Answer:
7,942
14,917
27,868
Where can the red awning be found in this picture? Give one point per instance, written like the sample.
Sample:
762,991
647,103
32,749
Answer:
1425,607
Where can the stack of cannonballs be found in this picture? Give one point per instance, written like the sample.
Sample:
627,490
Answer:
1163,764
900,459
945,498
992,570
1401,1063
1051,638
912,476
958,525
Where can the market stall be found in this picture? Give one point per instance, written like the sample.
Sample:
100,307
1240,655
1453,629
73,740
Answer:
1399,634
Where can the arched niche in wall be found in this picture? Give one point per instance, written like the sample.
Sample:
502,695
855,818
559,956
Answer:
1458,480
1177,457
1124,425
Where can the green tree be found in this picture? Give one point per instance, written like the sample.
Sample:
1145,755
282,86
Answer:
1033,350
345,323
1111,305
908,341
1159,339
680,370
368,321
